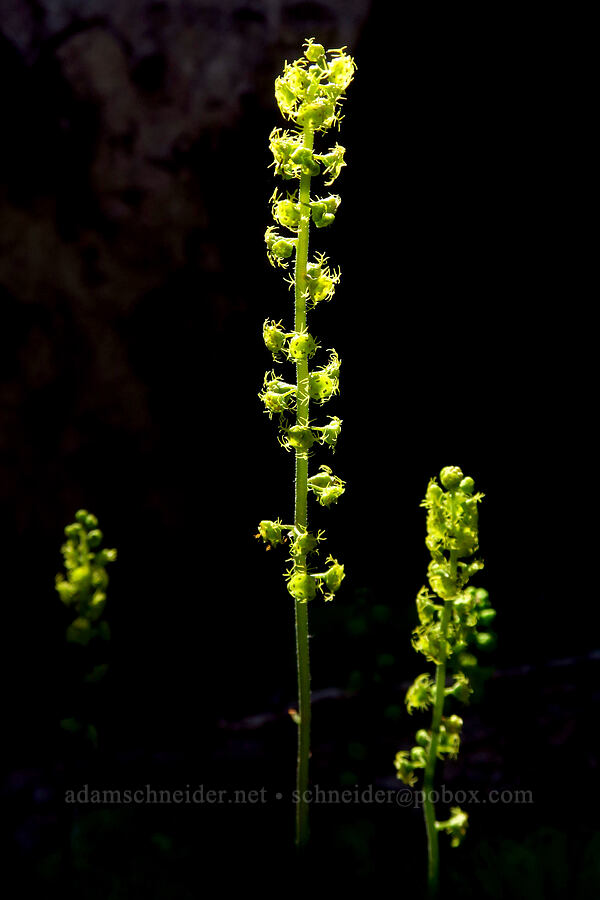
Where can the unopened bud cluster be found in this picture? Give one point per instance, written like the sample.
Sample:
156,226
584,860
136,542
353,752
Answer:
83,586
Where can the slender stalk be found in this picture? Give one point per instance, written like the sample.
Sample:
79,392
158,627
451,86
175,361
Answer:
433,856
300,509
428,805
308,93
451,526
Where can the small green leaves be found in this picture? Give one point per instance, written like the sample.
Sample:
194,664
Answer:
83,589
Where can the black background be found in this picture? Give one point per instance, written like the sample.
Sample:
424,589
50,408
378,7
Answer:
463,323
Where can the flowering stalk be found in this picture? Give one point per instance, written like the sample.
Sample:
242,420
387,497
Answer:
308,93
83,590
446,629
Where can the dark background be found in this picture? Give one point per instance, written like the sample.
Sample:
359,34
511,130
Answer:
134,284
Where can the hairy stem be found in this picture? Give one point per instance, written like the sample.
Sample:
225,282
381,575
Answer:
438,710
428,805
300,509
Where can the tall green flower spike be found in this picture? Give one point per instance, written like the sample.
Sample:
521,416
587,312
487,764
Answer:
309,95
83,589
449,613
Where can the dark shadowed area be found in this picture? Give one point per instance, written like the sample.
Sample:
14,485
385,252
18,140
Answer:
135,185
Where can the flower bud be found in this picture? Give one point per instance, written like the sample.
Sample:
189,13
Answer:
278,248
66,591
271,532
322,479
273,336
81,577
302,586
486,616
282,248
304,158
275,403
331,495
467,485
482,597
422,737
303,543
334,576
97,604
404,768
418,757
287,213
331,432
455,826
314,52
341,70
94,538
79,631
99,577
451,477
302,346
105,556
486,640
321,386
420,693
327,487
453,724
320,280
333,161
318,114
300,438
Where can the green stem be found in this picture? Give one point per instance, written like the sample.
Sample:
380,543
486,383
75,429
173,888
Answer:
433,853
300,513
